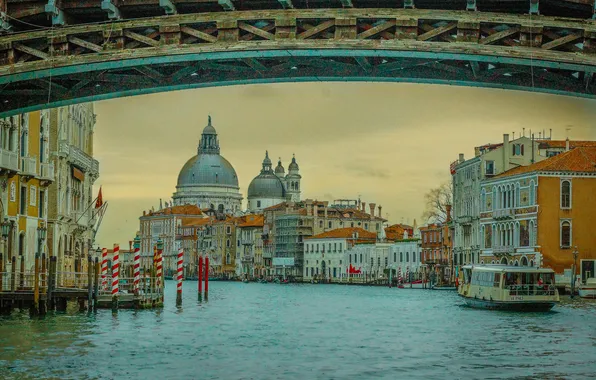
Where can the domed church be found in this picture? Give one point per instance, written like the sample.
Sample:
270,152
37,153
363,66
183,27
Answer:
208,180
273,187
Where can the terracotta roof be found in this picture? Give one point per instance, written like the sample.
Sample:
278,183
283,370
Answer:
193,222
177,210
344,233
396,231
544,144
278,206
251,220
581,160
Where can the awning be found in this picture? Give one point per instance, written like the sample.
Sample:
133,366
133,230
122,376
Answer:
78,174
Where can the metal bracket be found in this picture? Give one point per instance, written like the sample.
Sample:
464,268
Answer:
111,9
286,4
227,5
471,5
534,7
168,6
409,4
55,12
4,24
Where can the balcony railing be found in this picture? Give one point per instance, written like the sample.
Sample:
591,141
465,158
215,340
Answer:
47,171
78,157
503,249
503,213
28,166
9,160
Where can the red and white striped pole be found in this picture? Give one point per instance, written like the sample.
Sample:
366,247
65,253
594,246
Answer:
115,276
179,277
104,269
136,270
159,268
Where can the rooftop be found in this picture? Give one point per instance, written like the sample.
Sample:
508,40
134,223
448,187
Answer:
578,160
345,233
177,210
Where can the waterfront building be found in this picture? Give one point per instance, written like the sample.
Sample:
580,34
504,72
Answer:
536,215
324,253
72,214
249,240
191,238
163,225
208,180
222,246
436,246
26,173
270,187
489,161
405,253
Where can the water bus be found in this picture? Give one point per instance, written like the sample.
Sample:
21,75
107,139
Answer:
508,287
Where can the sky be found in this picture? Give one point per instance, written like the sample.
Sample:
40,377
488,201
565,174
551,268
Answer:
387,143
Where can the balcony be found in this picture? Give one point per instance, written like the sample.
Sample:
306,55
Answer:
28,167
503,214
464,219
47,172
78,157
503,250
9,160
83,218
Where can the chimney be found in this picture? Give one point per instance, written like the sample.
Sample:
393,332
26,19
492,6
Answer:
524,132
380,211
144,212
505,152
461,158
448,209
363,208
325,204
372,209
567,144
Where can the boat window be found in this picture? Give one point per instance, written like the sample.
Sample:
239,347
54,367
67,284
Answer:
497,280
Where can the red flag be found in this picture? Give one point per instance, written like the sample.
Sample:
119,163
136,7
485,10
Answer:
99,201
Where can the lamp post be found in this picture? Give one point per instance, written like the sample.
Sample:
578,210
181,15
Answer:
3,265
573,266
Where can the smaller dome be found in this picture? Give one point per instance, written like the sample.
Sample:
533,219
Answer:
293,164
279,169
266,185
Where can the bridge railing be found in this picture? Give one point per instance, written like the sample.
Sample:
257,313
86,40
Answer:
22,281
72,280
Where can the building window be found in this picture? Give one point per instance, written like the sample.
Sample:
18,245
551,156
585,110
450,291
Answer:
407,256
378,261
386,261
394,256
320,224
366,226
329,224
258,204
372,262
489,167
401,256
228,229
42,203
566,234
23,201
565,194
228,243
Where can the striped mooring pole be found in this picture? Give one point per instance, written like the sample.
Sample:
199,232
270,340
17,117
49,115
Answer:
104,268
159,268
179,277
136,270
115,277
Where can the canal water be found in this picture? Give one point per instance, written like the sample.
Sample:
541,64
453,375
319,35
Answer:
273,331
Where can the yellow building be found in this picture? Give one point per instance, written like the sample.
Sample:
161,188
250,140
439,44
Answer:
26,174
537,215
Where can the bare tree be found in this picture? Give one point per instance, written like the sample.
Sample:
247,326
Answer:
436,200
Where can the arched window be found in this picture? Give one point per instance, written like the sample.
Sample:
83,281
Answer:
401,256
566,234
532,193
394,256
565,194
524,261
407,256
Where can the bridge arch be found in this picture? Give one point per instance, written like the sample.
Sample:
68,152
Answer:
60,66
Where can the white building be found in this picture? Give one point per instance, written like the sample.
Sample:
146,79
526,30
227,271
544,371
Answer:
208,180
406,255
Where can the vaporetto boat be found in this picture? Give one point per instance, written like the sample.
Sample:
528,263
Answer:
508,287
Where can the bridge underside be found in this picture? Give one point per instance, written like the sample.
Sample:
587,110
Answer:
294,66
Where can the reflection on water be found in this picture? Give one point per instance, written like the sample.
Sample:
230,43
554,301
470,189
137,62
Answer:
269,331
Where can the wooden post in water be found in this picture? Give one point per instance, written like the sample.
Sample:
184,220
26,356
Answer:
35,310
13,278
96,283
90,283
1,269
206,278
43,303
200,277
51,283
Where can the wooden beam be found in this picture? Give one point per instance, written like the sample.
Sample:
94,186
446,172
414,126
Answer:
141,38
499,36
553,36
256,31
444,37
561,41
437,31
316,30
254,64
30,50
85,44
376,29
198,34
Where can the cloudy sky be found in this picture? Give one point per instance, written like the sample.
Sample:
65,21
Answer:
387,143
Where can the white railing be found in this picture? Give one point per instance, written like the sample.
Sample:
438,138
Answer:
28,166
47,171
502,213
78,157
503,249
9,160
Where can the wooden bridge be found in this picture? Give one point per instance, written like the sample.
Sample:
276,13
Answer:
84,52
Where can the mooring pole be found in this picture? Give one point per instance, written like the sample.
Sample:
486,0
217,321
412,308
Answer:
179,277
206,278
51,282
96,283
35,310
1,269
13,278
90,283
22,279
43,304
115,277
200,275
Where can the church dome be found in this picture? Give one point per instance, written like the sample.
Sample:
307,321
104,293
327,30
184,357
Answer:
266,184
279,169
293,165
208,170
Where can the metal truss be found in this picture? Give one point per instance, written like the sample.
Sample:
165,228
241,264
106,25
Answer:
83,63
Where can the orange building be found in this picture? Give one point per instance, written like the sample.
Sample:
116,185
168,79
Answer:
537,215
